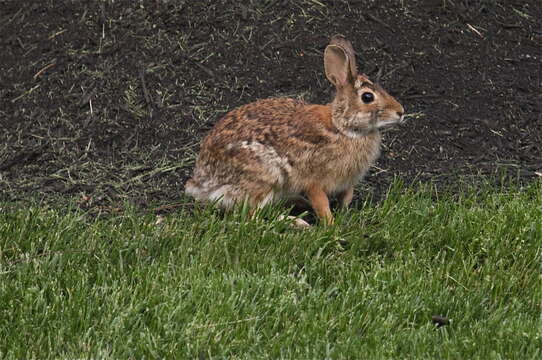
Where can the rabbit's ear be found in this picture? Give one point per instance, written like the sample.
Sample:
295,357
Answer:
340,61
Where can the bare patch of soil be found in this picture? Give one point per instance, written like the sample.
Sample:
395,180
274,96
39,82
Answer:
106,101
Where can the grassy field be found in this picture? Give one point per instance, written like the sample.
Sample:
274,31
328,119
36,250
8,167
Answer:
196,284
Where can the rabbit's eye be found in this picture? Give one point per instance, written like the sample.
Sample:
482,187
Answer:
367,97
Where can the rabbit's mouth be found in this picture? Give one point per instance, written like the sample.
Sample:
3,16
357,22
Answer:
391,121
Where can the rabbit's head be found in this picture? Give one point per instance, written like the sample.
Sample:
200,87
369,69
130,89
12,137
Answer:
360,107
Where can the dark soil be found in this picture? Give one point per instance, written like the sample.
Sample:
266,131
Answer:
106,101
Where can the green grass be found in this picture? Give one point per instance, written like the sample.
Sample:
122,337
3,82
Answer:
200,285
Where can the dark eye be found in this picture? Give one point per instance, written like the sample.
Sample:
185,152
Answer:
367,97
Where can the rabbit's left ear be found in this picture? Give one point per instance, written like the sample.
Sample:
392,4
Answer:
340,61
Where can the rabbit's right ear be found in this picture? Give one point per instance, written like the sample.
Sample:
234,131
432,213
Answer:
340,61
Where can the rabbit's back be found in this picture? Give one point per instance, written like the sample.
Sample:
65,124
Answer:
267,122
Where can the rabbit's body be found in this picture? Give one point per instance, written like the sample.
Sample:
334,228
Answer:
282,148
277,148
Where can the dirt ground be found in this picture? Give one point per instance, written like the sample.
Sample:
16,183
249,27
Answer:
105,101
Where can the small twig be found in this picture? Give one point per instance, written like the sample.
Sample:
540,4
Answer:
57,33
28,92
473,29
38,74
380,170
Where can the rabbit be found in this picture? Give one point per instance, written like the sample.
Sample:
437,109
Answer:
282,148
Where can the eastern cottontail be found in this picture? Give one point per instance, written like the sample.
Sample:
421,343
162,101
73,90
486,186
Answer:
282,148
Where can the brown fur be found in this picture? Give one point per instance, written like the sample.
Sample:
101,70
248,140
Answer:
281,147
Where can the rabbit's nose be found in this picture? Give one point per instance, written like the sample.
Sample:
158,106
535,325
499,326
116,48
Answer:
400,113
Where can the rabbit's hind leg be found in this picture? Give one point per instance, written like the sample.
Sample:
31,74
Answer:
259,200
